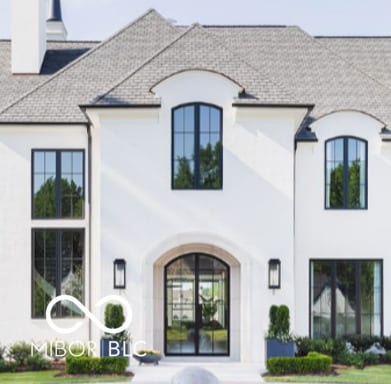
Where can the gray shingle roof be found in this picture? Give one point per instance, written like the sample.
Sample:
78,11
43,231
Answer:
274,65
371,55
196,49
58,55
309,69
58,99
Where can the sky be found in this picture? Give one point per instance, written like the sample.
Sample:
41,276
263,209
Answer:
98,19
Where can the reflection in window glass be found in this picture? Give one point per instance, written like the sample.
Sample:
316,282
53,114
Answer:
346,298
58,184
197,151
44,184
346,182
57,270
321,298
72,184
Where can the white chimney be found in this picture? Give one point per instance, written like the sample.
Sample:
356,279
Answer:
55,28
28,35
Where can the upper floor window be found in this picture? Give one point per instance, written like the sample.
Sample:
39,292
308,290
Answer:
346,173
58,184
197,147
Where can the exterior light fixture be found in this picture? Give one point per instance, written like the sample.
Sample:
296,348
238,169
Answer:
274,274
119,274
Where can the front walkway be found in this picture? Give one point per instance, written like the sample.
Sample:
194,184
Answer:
227,373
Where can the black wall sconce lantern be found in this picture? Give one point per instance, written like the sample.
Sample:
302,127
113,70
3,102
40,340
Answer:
274,274
119,274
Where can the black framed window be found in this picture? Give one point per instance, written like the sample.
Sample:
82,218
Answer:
346,173
346,298
57,184
57,269
197,147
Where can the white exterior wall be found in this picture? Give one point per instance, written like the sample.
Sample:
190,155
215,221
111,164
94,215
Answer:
141,218
16,144
341,234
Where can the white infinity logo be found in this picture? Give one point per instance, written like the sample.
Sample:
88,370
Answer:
103,300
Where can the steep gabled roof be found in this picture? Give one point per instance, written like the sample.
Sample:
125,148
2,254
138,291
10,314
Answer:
195,49
275,65
58,55
58,99
309,69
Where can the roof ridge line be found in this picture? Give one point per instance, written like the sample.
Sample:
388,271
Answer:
147,61
255,69
353,37
246,25
350,64
82,57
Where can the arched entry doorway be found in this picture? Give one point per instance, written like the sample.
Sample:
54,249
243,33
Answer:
196,301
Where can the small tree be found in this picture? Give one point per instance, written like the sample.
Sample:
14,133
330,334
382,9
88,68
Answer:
279,323
272,332
114,318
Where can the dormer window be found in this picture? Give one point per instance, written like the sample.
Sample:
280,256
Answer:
346,173
197,147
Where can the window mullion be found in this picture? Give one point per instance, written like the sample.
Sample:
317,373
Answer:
345,173
58,270
197,133
333,299
358,297
58,184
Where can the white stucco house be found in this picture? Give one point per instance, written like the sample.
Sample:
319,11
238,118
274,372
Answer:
198,159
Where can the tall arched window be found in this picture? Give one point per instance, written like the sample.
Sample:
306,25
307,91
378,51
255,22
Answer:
197,147
346,173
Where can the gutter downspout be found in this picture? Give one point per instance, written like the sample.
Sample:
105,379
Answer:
89,229
89,150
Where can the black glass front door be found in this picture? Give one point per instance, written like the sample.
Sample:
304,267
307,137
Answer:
197,306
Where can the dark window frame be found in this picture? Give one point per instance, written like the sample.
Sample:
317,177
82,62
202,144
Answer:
196,185
58,232
345,172
333,263
58,152
197,275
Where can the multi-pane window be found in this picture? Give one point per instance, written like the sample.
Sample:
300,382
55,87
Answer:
58,184
346,298
346,173
197,147
57,269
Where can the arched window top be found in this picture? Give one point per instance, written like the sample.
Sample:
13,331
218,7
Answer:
197,146
346,159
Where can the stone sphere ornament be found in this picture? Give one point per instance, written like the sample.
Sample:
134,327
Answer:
194,375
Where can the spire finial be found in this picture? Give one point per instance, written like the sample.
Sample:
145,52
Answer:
54,11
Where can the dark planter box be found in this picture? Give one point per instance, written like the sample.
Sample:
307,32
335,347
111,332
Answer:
148,359
105,348
276,348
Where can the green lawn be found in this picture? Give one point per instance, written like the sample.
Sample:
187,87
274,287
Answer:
48,377
378,374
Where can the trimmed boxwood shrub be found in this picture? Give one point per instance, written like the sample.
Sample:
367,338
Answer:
326,346
20,352
95,365
7,366
22,359
312,363
37,362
